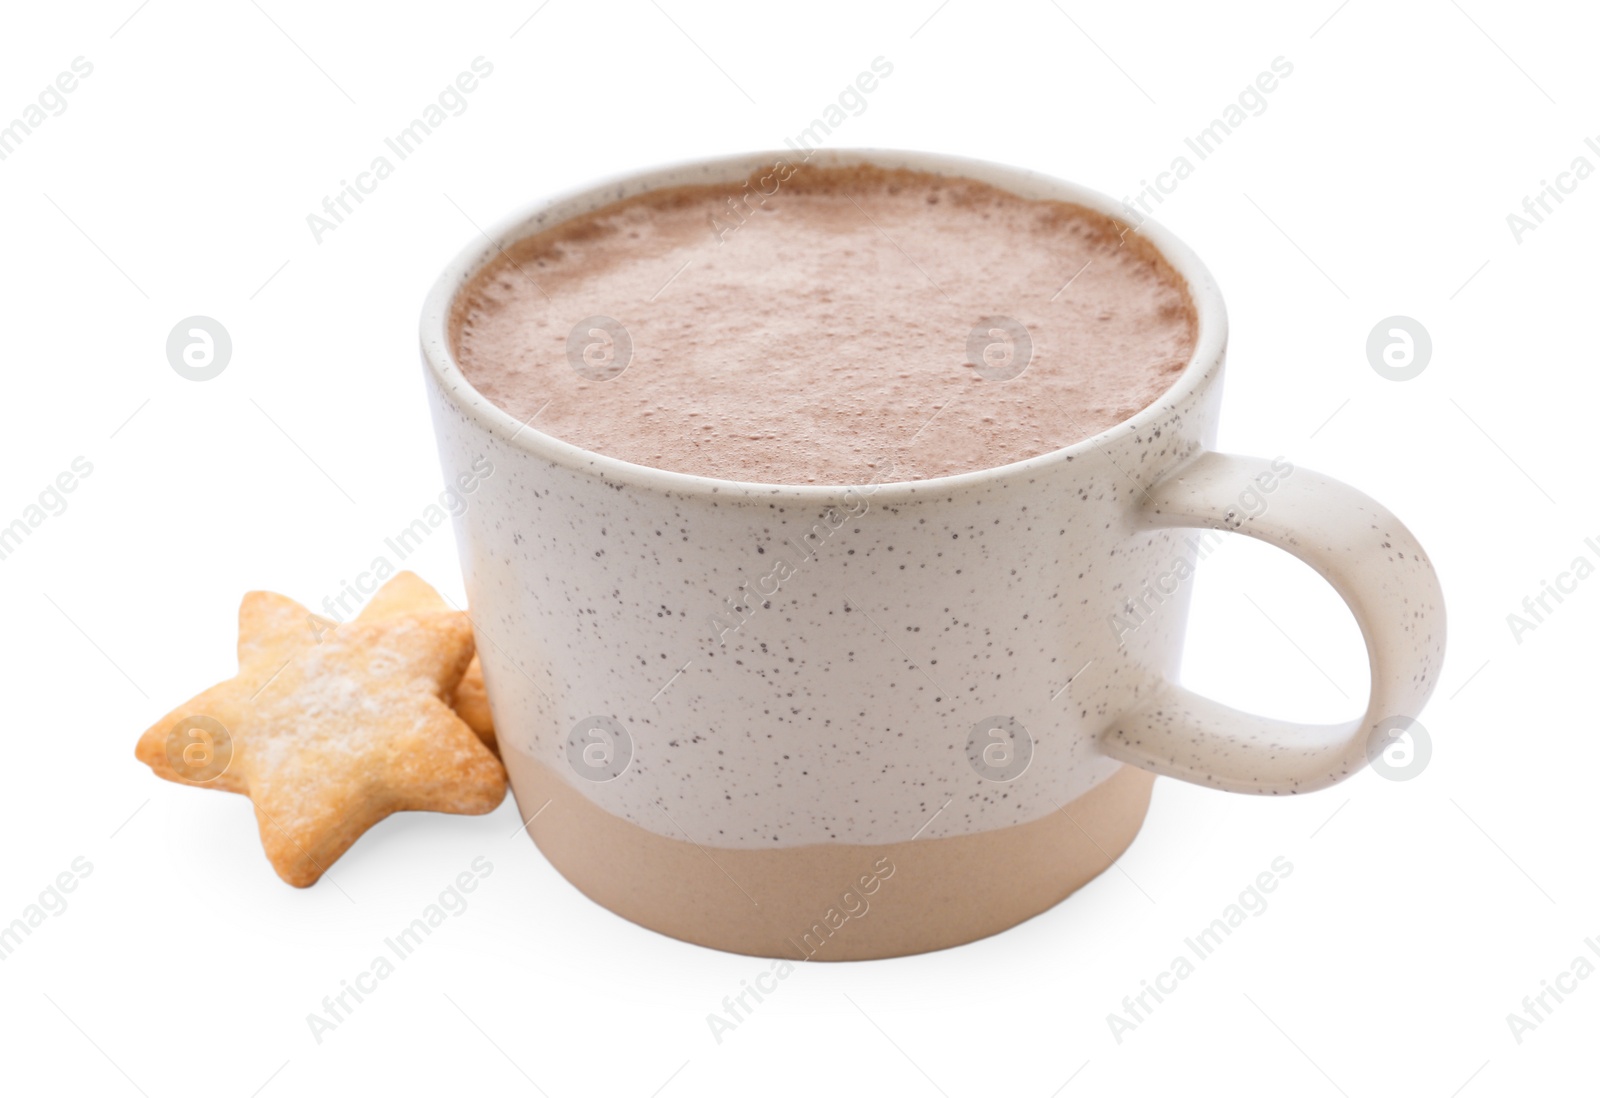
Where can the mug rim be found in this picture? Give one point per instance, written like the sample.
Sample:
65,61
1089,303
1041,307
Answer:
439,358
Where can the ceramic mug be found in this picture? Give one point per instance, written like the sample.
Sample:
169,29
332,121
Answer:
853,721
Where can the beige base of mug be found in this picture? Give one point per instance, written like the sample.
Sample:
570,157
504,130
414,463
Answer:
792,902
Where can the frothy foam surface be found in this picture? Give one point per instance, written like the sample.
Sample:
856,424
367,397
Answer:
828,337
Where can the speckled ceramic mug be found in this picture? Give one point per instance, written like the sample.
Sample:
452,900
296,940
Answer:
943,711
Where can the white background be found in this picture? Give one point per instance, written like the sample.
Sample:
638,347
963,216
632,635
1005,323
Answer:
177,182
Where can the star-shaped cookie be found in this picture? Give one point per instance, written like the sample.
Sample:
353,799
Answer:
329,729
266,615
408,593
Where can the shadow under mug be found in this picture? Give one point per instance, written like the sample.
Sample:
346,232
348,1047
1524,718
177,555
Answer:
926,723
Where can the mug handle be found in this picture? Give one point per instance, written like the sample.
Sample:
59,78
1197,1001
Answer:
1375,565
